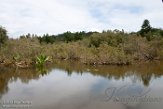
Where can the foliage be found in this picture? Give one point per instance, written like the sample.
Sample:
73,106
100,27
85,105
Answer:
41,59
112,38
145,28
3,35
150,32
16,57
108,47
65,37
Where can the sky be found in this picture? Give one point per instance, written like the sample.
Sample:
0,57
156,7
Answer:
58,16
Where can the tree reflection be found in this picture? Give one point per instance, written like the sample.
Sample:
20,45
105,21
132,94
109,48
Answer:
3,86
137,73
42,70
146,79
13,74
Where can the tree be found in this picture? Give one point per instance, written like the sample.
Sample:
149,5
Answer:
145,28
3,35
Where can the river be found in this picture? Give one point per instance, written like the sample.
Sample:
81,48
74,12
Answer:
70,85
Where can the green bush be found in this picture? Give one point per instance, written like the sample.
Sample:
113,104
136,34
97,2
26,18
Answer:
3,36
41,59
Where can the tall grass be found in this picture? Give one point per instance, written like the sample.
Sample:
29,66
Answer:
110,47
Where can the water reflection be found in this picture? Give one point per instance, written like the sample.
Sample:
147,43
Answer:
142,72
71,85
9,75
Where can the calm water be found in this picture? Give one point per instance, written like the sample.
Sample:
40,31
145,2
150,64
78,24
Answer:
75,86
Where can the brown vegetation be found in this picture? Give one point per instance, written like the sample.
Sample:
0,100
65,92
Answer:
109,47
100,48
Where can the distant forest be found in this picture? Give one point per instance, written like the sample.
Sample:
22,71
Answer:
145,31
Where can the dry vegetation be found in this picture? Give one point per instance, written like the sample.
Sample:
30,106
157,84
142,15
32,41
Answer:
109,47
100,48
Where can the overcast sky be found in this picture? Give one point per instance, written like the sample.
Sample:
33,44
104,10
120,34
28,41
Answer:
57,16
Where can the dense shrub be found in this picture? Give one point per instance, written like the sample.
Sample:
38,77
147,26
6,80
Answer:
108,47
3,36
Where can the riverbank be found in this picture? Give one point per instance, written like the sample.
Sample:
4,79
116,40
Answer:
32,64
107,48
92,48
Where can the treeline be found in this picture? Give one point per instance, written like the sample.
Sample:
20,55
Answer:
107,47
146,31
64,37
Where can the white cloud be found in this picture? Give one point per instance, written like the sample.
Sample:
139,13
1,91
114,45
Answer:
57,16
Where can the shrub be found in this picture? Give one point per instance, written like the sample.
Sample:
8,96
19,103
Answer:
3,36
41,59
